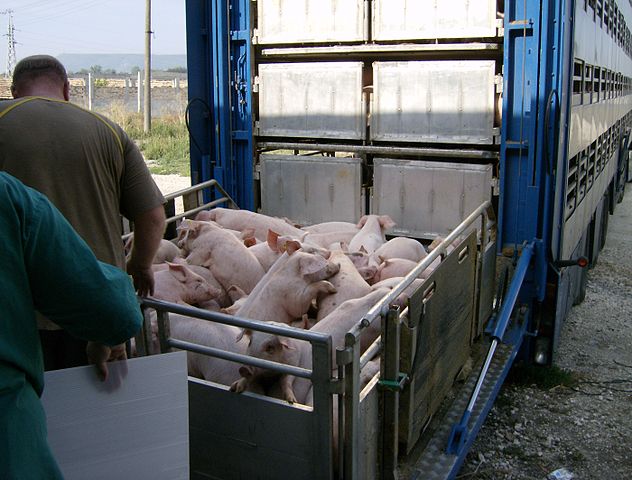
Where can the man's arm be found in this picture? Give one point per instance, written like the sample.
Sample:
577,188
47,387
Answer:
149,228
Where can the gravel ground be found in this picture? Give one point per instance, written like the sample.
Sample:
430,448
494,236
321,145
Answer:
172,183
586,429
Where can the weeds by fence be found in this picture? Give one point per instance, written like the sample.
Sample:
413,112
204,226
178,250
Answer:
165,147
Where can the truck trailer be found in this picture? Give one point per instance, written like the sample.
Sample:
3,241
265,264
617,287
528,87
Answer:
501,127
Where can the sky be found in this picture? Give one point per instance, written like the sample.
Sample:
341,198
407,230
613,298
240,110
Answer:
91,26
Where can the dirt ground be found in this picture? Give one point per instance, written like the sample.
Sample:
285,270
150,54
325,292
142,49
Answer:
586,429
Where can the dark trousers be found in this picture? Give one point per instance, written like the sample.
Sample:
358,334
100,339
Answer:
62,350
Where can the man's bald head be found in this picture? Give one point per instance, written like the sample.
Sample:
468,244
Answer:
40,75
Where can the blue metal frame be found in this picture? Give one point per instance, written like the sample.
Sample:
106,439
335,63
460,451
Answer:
220,85
534,85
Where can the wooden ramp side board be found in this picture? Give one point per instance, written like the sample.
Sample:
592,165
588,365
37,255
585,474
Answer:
438,345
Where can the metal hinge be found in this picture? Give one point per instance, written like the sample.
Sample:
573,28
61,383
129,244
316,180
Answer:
498,81
255,84
256,128
255,35
500,27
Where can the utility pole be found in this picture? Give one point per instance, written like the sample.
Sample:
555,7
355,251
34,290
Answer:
148,32
10,44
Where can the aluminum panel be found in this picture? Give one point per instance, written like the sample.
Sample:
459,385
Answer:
369,431
427,199
320,100
310,21
311,190
134,423
244,436
430,19
434,101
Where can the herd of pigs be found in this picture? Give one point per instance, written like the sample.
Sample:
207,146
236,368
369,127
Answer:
323,277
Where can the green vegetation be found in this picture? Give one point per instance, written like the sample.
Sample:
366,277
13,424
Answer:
165,147
544,378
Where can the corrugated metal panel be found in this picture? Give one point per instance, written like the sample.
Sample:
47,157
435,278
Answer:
434,101
310,21
320,100
134,425
426,199
429,19
311,190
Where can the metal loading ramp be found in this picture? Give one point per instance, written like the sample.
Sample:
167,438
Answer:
435,463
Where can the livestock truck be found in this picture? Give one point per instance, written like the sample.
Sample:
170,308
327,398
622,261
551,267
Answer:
502,127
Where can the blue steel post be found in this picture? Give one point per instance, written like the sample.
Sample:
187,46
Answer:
220,114
534,128
200,112
241,168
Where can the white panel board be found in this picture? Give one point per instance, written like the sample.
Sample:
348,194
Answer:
134,425
310,21
319,100
434,101
426,199
311,190
429,19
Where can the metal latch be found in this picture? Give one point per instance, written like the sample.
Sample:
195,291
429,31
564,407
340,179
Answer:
394,385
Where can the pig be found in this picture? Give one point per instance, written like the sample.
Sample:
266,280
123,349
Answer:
287,290
222,300
328,227
298,353
179,284
327,239
348,283
371,236
259,223
273,347
346,315
210,334
269,251
228,259
399,247
167,251
400,267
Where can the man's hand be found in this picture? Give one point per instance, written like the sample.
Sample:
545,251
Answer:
99,355
143,278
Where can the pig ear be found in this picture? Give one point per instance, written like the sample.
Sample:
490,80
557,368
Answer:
292,246
250,241
247,233
244,331
235,293
179,271
386,222
362,221
273,239
285,343
363,250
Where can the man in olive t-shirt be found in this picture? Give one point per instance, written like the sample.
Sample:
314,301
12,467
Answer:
91,171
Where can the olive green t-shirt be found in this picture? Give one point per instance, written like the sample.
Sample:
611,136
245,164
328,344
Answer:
83,162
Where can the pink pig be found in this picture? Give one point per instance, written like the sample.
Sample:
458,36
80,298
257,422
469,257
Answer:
228,259
289,287
179,284
285,350
371,236
348,283
399,247
243,220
